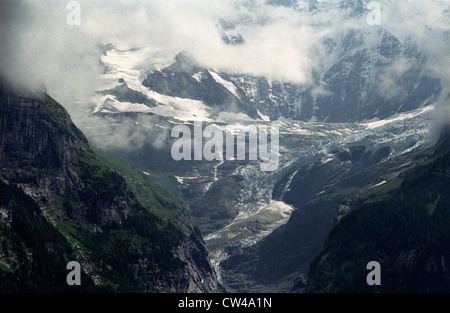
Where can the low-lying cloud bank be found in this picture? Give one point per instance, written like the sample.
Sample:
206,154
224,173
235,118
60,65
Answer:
282,40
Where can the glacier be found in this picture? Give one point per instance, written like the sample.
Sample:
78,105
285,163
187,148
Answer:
255,211
367,112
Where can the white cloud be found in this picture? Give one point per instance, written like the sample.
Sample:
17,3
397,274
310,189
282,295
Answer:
281,43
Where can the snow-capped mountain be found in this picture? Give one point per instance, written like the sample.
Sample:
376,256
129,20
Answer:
234,203
365,71
367,74
346,94
182,90
365,115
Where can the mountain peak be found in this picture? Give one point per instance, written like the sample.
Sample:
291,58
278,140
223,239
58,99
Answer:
184,63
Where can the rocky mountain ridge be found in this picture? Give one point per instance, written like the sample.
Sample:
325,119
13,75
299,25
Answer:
93,207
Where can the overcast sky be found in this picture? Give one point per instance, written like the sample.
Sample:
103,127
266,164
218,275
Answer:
282,43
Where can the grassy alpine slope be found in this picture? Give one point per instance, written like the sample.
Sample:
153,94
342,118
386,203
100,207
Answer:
121,227
404,225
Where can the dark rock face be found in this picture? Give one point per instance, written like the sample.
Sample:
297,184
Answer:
403,226
126,94
222,196
363,83
322,193
177,80
41,151
197,276
45,154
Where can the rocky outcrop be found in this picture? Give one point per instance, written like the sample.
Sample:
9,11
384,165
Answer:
186,79
198,276
402,224
45,154
355,86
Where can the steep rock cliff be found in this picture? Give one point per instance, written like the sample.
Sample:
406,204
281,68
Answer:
124,241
